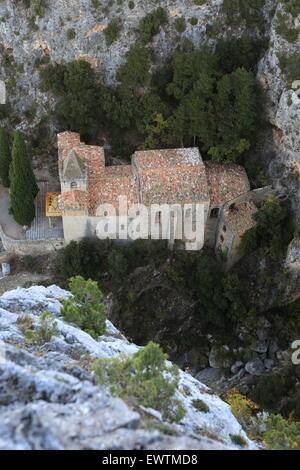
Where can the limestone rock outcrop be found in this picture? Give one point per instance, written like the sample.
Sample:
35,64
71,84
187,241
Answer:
50,399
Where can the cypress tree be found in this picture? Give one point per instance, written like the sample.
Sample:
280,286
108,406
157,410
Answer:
23,187
5,158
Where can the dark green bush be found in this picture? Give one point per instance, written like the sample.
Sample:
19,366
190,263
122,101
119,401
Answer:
85,308
146,377
151,23
112,31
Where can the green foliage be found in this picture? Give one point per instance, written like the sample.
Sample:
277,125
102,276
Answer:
234,294
85,308
117,267
292,7
271,388
235,109
5,158
135,72
46,328
180,25
79,109
71,34
238,440
281,434
248,11
249,242
3,111
149,106
23,187
111,33
200,405
243,52
220,111
146,377
32,264
144,252
274,229
291,66
256,172
52,78
87,258
39,7
284,29
151,23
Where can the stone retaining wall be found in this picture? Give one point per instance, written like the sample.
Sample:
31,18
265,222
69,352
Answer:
26,247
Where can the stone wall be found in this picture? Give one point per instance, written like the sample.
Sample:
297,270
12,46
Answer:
25,247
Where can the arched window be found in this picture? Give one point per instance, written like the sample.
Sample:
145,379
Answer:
222,238
214,212
224,228
73,185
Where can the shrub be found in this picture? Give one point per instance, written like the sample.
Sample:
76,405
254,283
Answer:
248,241
270,390
71,34
46,328
291,66
200,405
193,21
180,25
85,308
238,440
284,30
274,229
112,31
32,263
87,258
146,377
249,11
150,25
281,434
241,406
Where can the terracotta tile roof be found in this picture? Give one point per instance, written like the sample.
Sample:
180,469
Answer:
180,185
226,182
149,159
114,181
155,177
75,199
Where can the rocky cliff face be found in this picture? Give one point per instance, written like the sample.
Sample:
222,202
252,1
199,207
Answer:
282,108
49,398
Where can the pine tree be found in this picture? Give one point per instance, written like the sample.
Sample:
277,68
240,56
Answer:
5,158
23,187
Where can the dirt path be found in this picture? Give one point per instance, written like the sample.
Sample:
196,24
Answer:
9,226
20,280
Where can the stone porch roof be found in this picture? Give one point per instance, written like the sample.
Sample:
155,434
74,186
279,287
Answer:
240,217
